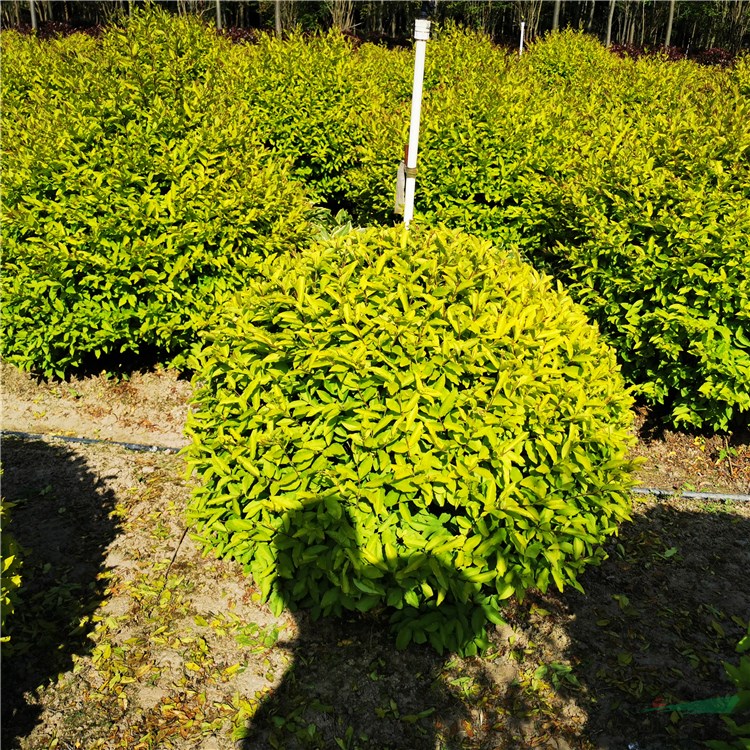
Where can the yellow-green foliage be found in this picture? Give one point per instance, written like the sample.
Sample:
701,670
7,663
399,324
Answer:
132,197
139,166
625,179
412,419
628,180
312,100
738,723
11,566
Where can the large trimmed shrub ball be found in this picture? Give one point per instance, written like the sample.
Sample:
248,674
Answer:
411,420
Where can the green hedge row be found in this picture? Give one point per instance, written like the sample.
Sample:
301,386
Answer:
408,419
627,180
132,198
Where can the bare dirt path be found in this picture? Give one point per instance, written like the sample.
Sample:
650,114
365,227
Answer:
148,408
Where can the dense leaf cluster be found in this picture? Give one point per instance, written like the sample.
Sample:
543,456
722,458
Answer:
385,419
627,180
10,573
132,197
406,419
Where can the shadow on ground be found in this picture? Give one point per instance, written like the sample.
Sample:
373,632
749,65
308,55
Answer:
349,686
656,621
62,522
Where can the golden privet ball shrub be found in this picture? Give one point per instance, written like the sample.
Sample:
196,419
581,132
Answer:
417,421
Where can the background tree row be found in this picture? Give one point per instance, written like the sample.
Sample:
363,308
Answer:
641,23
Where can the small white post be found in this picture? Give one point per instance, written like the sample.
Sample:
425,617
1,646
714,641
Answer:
421,36
520,47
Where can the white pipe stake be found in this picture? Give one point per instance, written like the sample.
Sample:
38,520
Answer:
520,48
421,36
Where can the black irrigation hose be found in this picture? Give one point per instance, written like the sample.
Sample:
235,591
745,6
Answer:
691,495
719,496
91,441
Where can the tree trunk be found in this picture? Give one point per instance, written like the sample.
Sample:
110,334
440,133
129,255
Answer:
342,14
668,35
631,29
591,15
33,15
535,12
277,18
609,22
556,16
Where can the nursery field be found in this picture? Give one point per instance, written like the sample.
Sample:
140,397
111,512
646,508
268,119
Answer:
130,638
392,505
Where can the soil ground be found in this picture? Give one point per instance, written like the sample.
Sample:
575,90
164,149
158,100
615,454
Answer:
127,637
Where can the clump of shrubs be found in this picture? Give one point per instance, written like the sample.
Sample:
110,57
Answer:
132,199
624,179
148,172
418,421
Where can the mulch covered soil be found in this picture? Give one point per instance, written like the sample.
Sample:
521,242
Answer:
127,637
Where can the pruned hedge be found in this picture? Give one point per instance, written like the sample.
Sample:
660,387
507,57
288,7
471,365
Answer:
132,199
597,167
625,179
413,420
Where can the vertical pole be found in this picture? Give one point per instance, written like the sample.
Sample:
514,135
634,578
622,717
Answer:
421,36
218,15
520,46
33,14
